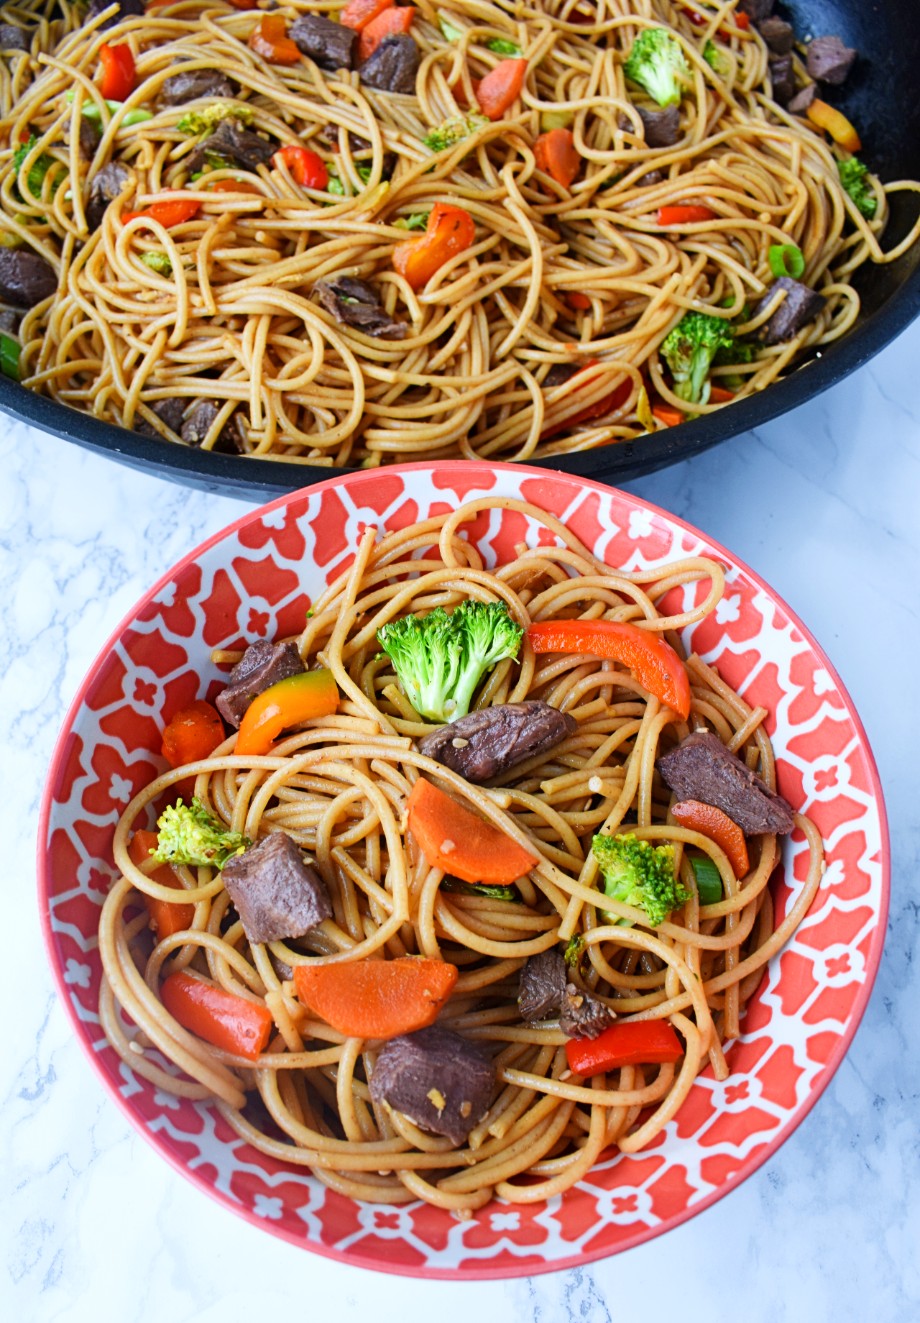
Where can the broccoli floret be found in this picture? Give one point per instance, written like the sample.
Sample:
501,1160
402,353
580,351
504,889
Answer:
657,63
205,121
158,262
640,874
453,131
689,350
574,950
189,834
853,178
503,47
417,221
441,657
37,170
715,58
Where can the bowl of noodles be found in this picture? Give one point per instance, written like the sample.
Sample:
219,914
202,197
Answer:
566,1138
250,261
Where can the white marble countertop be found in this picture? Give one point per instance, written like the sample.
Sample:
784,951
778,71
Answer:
94,1225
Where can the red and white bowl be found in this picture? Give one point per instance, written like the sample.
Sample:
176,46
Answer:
256,579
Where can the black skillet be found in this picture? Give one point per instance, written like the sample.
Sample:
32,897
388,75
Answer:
879,97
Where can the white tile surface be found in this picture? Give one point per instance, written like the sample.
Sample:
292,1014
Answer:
95,1226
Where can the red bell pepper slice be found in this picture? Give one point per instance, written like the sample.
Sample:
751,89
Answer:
688,214
172,211
450,230
628,1043
118,72
291,701
501,87
605,405
192,734
657,666
219,1017
358,14
717,826
307,169
390,22
270,40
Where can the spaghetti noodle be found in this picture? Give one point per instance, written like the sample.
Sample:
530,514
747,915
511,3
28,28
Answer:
339,787
539,337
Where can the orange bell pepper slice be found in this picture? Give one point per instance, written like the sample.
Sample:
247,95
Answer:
219,1017
501,87
166,918
376,998
192,734
655,663
711,822
456,839
288,703
450,230
270,40
835,123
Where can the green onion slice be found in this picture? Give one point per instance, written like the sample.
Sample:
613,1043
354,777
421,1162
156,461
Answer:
786,260
708,879
9,356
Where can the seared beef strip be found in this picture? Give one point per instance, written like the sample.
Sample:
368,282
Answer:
10,321
803,99
800,306
198,423
356,303
13,38
261,665
542,985
648,181
558,374
393,65
126,9
583,1015
231,142
329,45
782,78
830,60
778,34
194,84
757,10
486,743
105,188
170,410
90,136
662,127
25,277
276,893
702,768
440,1080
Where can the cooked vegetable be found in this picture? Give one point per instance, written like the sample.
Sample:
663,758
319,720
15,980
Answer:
835,123
289,702
574,950
190,834
555,119
205,121
640,874
606,404
440,658
358,13
786,259
449,30
392,20
173,211
689,350
510,894
457,840
306,167
417,221
556,154
196,730
665,414
657,63
158,262
453,130
270,40
9,356
628,1043
686,214
655,663
376,998
165,918
233,1023
708,879
37,170
715,59
718,826
118,72
501,46
853,178
501,87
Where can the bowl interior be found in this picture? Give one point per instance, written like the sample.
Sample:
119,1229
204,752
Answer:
256,579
